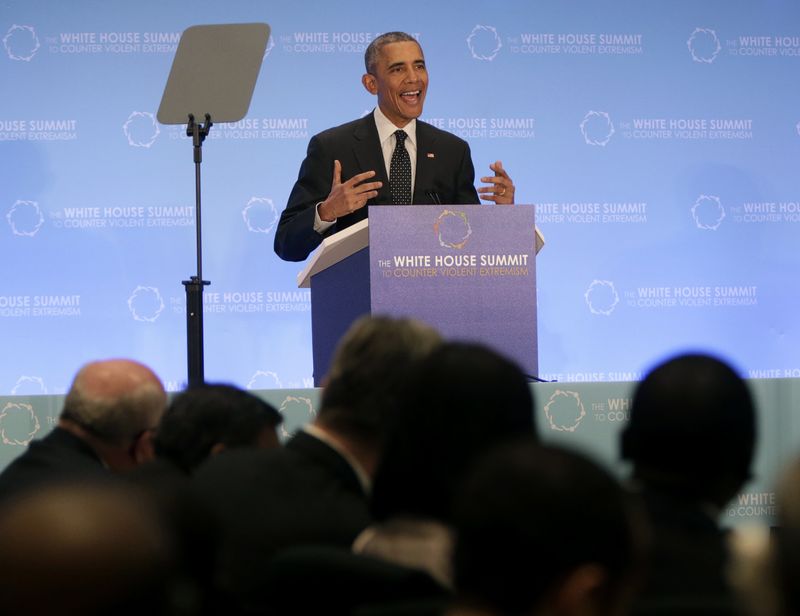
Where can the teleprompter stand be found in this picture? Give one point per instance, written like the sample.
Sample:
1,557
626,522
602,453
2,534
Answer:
194,286
213,75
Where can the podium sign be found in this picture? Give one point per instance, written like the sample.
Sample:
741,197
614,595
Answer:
468,270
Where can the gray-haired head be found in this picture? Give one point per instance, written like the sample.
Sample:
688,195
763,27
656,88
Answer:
371,54
369,370
115,400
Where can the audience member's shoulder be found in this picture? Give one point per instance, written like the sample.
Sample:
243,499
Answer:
56,458
157,472
245,463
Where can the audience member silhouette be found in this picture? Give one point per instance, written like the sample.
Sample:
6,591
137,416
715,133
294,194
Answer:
543,531
209,419
459,401
394,467
109,417
462,400
314,491
88,550
690,439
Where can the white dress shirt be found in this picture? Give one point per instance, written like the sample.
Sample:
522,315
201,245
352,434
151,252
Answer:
386,136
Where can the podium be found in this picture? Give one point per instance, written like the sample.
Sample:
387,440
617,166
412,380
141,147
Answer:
467,270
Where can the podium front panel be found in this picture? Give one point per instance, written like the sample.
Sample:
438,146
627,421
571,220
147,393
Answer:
468,270
339,295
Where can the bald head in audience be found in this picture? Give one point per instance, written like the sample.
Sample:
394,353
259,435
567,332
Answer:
114,406
106,427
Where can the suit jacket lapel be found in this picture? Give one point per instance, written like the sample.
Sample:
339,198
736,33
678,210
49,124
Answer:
327,458
367,149
426,164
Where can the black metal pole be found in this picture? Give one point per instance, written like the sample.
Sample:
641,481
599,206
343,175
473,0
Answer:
194,286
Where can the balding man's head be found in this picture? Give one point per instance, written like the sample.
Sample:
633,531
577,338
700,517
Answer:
115,399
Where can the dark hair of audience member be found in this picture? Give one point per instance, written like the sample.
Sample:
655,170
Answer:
461,400
529,516
209,416
692,429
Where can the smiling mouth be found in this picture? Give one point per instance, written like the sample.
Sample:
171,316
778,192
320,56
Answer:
411,97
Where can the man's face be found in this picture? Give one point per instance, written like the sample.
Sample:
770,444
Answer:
400,81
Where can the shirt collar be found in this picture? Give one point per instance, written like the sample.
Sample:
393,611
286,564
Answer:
386,128
361,474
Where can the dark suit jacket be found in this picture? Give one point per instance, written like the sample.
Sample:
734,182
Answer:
344,582
269,500
685,572
448,174
58,457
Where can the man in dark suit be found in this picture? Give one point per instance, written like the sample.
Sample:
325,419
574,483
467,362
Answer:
690,438
543,530
107,425
349,167
315,490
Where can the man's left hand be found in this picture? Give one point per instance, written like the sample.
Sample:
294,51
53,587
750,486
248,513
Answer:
501,187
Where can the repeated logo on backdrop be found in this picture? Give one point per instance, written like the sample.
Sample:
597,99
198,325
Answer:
708,45
592,213
18,424
603,298
25,218
486,42
564,411
597,128
708,213
29,386
631,139
260,215
704,45
145,304
328,42
21,43
54,129
141,129
297,411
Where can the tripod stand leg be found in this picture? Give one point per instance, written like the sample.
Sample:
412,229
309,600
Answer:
194,330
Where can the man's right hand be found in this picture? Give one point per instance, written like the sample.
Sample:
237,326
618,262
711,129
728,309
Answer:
347,197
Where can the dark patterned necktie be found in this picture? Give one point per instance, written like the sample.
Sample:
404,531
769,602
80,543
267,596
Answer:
400,171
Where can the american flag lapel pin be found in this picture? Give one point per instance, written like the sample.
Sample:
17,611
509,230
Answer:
431,155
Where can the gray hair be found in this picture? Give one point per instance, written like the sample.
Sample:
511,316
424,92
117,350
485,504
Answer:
371,54
114,418
369,370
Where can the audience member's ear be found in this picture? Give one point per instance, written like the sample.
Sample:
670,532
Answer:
144,448
268,438
581,593
217,448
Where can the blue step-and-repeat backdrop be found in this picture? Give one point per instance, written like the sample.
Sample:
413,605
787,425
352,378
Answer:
659,141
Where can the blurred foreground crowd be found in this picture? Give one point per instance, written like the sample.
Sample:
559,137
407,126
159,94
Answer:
420,487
